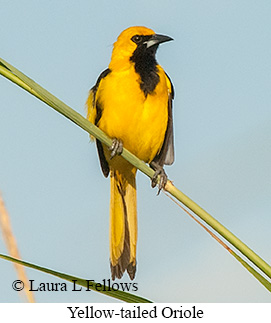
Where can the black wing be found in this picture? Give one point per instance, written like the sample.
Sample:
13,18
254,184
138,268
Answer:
166,154
103,161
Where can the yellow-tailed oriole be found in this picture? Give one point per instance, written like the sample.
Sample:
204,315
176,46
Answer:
132,103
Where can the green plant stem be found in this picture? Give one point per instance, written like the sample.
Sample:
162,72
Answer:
100,288
218,227
29,85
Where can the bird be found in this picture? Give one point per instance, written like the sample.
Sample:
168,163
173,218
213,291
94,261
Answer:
132,103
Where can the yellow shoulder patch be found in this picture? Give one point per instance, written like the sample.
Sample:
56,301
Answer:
91,110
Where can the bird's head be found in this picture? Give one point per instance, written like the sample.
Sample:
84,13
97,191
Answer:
133,41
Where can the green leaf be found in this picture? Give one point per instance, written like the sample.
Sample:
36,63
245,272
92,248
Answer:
259,277
99,288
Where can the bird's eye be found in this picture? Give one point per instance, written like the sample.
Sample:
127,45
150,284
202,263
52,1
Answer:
136,39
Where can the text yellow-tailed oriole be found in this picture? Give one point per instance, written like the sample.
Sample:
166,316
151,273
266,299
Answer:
132,103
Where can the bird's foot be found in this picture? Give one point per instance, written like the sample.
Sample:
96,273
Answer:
116,148
159,177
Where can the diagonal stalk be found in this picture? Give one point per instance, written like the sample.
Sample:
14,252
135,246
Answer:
88,284
255,273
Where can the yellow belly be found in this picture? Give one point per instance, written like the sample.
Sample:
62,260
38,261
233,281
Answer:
139,121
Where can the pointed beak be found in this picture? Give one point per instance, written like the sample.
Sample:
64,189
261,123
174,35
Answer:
157,39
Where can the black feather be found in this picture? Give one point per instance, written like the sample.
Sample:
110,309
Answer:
103,161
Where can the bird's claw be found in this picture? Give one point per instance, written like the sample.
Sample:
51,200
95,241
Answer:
159,179
116,148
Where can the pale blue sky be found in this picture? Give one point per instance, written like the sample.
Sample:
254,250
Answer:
50,178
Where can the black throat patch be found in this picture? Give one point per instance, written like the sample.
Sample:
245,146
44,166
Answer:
146,67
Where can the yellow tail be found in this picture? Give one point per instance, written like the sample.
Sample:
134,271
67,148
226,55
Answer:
123,222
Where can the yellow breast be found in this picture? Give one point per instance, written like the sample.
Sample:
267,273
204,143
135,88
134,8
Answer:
139,121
